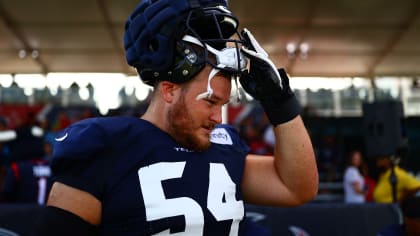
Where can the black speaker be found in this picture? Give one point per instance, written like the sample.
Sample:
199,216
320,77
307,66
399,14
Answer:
383,124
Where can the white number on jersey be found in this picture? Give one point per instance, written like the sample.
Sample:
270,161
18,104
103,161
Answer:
221,200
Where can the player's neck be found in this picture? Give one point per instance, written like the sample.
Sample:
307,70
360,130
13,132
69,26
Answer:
153,116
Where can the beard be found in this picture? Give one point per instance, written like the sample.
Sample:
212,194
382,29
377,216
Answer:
183,128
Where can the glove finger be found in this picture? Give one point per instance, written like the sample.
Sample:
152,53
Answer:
249,53
284,78
275,71
247,84
255,55
255,58
255,43
261,61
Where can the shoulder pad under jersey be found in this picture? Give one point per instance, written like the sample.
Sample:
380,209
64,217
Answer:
89,136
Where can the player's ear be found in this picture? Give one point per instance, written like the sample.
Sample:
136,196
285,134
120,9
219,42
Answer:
168,90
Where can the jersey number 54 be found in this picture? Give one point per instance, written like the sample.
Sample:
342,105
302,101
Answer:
221,198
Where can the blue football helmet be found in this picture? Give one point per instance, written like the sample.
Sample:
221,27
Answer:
171,40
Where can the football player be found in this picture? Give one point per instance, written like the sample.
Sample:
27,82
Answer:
177,170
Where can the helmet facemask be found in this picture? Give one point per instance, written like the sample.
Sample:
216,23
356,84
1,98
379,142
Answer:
228,60
211,29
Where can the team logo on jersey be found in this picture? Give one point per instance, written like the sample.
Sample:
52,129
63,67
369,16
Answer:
220,136
61,138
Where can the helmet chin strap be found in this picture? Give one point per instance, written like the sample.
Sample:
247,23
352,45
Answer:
209,91
206,95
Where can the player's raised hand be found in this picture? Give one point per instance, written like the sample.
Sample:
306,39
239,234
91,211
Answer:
267,84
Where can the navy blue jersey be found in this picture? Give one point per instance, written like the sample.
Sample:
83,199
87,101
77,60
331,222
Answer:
27,181
149,184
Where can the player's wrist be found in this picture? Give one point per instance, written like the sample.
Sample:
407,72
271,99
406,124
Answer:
280,102
280,110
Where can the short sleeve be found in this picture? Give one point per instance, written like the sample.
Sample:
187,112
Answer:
82,157
351,175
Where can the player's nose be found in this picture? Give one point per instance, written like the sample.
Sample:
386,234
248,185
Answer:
216,115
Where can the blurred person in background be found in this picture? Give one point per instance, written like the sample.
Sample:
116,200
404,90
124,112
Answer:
61,121
25,141
3,153
27,175
393,178
370,182
251,133
27,181
353,181
328,157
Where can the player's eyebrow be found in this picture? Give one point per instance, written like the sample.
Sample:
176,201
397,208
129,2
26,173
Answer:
219,99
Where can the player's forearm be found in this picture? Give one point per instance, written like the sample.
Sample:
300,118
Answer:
295,169
295,160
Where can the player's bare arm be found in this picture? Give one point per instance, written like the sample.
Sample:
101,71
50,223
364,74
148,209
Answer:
76,201
288,179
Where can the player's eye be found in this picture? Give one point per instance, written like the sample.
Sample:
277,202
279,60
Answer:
211,102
